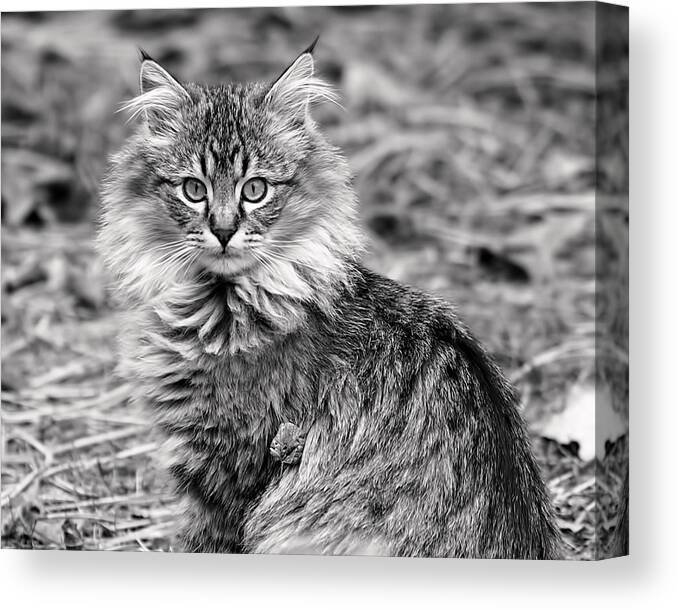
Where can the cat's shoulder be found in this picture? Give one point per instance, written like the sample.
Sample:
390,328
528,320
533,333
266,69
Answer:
402,304
415,319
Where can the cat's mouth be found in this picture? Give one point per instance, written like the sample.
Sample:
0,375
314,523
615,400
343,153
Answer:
228,262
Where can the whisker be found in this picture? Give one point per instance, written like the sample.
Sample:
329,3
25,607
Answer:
189,260
173,259
167,246
264,263
288,242
313,266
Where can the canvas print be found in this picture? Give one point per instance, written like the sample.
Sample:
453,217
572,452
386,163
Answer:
329,280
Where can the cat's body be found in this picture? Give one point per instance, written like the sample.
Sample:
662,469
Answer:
414,444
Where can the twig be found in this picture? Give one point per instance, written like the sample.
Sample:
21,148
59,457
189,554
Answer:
555,354
568,493
67,371
63,485
105,401
45,472
62,392
112,419
560,479
160,530
71,515
15,346
119,499
585,513
23,435
97,439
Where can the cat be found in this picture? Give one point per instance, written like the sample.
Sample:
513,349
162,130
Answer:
231,227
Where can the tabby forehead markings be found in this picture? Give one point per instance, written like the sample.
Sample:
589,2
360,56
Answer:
210,160
239,164
198,166
215,147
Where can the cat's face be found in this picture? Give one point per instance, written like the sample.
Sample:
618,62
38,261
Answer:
233,177
225,172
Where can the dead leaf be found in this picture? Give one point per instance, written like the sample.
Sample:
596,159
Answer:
587,419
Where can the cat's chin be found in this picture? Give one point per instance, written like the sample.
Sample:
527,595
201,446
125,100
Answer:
228,266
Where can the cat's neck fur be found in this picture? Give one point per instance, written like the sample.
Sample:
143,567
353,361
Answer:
245,313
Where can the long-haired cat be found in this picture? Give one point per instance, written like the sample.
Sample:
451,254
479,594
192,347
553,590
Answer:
230,223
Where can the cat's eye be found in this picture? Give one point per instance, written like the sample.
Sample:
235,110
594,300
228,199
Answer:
254,190
194,190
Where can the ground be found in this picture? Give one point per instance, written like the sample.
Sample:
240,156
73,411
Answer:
472,136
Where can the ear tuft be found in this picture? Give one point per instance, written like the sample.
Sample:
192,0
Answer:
161,96
143,56
311,47
297,88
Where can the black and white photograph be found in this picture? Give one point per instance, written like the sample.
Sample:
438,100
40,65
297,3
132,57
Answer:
328,280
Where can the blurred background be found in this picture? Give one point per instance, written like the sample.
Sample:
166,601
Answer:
483,177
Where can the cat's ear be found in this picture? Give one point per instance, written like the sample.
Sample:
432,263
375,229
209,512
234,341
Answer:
297,87
160,97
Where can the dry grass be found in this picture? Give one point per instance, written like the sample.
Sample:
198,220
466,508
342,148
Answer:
471,134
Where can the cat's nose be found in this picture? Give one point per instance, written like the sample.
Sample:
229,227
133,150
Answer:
224,235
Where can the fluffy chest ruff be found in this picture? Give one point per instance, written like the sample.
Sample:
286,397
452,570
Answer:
218,399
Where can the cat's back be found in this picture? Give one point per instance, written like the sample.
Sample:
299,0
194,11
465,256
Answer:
418,444
384,326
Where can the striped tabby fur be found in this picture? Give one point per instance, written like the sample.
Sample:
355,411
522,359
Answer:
414,444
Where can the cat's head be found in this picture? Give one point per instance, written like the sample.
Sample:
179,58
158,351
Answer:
233,180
